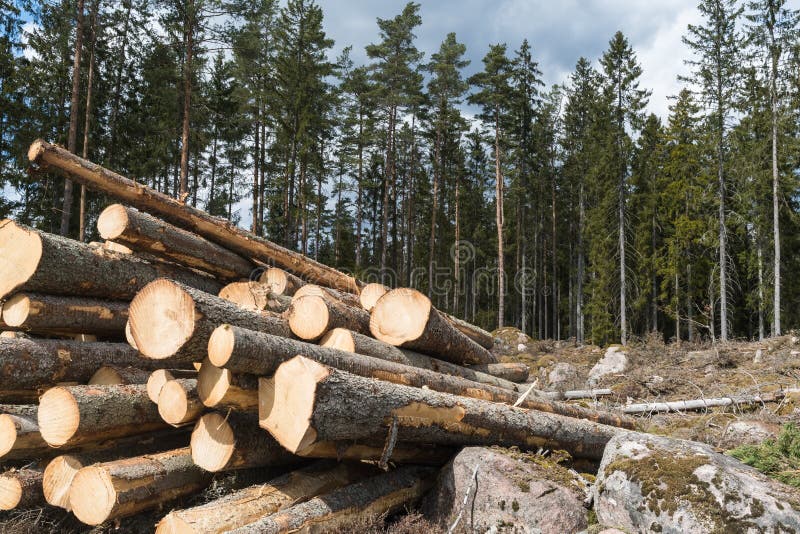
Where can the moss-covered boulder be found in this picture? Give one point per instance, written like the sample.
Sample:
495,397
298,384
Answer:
652,483
510,492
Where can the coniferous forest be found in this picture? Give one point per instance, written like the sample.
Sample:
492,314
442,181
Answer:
566,211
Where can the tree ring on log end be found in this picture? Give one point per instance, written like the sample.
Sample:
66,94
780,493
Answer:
57,479
20,252
220,345
399,316
212,442
308,317
10,492
162,319
58,416
212,384
92,495
339,338
157,379
112,222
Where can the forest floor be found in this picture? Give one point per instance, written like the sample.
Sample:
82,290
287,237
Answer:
656,372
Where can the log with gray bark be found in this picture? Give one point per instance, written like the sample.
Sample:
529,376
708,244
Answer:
281,282
142,232
321,291
223,389
343,339
255,296
172,322
21,489
250,504
30,364
19,432
406,318
343,509
121,488
48,157
314,403
311,316
235,441
36,261
114,375
245,351
178,403
74,415
512,371
59,315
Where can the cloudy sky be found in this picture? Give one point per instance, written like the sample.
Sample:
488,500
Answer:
559,31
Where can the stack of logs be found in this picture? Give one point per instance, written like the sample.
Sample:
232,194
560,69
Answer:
134,370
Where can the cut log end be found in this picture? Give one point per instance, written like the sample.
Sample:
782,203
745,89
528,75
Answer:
400,316
212,442
58,415
156,381
111,375
162,319
247,295
214,385
16,310
290,424
57,479
10,492
220,345
339,338
36,150
112,221
8,434
20,252
174,524
280,282
175,404
308,317
129,335
370,294
92,496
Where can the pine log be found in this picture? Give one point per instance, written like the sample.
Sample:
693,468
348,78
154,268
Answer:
244,351
50,157
73,415
220,388
235,441
125,487
178,403
512,371
255,296
31,260
343,339
476,334
159,377
370,294
314,403
343,509
143,232
19,432
28,364
50,314
405,318
21,489
311,316
114,375
321,291
280,282
252,503
61,470
174,321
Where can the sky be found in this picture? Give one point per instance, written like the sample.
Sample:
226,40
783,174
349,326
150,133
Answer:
559,31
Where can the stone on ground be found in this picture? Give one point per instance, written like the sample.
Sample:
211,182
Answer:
614,361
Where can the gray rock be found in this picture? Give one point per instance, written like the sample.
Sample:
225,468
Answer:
509,493
652,483
563,376
613,362
747,433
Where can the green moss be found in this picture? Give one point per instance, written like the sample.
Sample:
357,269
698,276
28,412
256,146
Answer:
523,486
515,505
778,458
503,505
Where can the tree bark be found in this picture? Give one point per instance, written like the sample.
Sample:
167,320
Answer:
476,334
220,231
74,415
235,441
344,508
499,220
319,403
255,296
343,339
125,487
702,404
262,354
189,25
21,489
47,314
178,402
34,261
174,321
311,316
426,331
28,364
281,282
513,372
19,432
145,233
251,504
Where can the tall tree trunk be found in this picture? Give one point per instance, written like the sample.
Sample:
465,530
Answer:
388,174
118,83
776,232
622,279
501,281
457,250
72,139
213,169
87,118
411,198
360,185
262,168
554,258
760,255
189,27
581,266
437,169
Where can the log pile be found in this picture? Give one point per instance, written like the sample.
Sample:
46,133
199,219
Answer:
217,350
